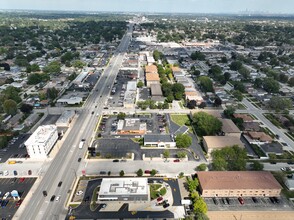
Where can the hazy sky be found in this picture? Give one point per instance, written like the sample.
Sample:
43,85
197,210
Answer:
197,6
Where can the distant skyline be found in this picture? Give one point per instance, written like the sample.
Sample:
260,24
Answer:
172,6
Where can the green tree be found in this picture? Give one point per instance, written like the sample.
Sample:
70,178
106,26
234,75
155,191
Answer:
206,124
229,158
238,95
68,56
256,165
3,141
244,72
197,55
200,206
139,172
10,107
192,184
236,65
206,84
229,112
26,108
53,67
52,93
181,154
279,103
291,82
121,173
271,85
140,84
201,167
121,116
170,98
153,172
78,64
283,78
166,154
11,93
183,141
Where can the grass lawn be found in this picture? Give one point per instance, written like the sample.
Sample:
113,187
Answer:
181,119
154,190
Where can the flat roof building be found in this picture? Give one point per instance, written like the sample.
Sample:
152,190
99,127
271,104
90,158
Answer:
238,183
65,119
124,189
211,143
42,141
131,126
159,140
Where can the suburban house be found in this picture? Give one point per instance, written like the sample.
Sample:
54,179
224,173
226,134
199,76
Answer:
254,137
229,128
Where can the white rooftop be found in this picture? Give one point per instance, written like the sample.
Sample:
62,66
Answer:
66,116
41,135
123,186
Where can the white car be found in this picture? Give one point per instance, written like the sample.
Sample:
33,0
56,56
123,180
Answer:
79,193
6,195
57,198
5,173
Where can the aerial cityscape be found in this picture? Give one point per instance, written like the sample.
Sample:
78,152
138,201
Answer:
147,109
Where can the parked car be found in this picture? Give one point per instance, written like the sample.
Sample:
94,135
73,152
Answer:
115,161
30,172
52,198
241,200
79,193
79,160
277,200
215,201
176,160
166,205
147,171
102,172
18,203
21,180
44,193
224,201
15,173
103,205
228,200
254,199
159,199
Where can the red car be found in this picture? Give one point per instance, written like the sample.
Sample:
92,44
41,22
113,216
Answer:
18,203
159,199
241,200
176,160
147,172
21,180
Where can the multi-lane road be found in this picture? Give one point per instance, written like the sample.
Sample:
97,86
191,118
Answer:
65,164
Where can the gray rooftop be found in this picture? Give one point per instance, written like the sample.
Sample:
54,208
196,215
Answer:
274,147
158,138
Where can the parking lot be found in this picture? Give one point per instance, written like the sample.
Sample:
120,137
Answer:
83,211
156,124
261,203
9,205
118,91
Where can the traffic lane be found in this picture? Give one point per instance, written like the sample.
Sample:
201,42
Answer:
175,191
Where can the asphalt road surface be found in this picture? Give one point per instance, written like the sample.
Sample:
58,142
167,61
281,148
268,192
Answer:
63,167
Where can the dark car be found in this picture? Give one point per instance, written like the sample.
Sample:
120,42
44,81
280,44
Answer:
277,200
241,200
215,201
228,200
52,198
166,205
176,160
15,173
44,193
79,160
147,171
254,199
102,172
18,203
272,199
59,184
92,113
30,172
116,160
224,201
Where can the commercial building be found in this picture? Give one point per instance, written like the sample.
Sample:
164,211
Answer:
211,143
156,93
159,140
131,126
65,119
124,189
130,94
238,183
70,101
42,141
